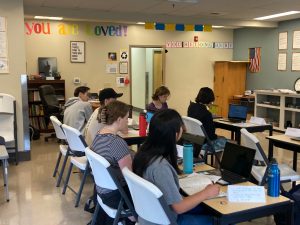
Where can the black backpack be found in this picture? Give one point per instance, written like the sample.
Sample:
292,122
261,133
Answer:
293,194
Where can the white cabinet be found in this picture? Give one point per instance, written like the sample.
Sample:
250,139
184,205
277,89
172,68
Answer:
278,108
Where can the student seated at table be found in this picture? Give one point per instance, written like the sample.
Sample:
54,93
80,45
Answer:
113,148
199,110
93,125
159,98
156,161
77,109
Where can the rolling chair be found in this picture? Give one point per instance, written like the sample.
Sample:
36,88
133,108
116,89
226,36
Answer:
50,104
8,123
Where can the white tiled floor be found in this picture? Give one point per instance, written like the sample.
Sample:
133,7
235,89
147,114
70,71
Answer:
35,200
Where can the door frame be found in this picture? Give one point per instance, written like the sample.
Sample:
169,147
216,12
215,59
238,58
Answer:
163,47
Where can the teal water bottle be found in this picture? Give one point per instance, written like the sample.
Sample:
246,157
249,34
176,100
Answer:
273,179
187,158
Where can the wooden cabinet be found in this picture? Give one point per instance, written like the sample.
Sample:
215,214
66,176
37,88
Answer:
229,80
35,107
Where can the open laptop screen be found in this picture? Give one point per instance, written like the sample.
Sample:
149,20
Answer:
237,112
237,159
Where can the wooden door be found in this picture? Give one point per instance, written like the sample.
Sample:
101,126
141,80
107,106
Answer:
218,86
157,70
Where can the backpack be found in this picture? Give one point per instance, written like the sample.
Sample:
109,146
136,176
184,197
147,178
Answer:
293,194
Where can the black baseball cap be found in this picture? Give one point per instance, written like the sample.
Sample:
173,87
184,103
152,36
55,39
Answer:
107,93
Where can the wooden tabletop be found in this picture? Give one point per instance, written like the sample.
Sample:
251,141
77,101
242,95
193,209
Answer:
224,207
283,138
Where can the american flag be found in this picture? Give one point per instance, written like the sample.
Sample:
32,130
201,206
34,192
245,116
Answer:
254,57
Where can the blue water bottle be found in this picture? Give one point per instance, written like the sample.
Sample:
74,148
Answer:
273,179
187,158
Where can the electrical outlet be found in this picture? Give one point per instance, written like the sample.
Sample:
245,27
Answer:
76,80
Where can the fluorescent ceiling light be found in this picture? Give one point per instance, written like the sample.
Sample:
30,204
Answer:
48,18
216,26
277,15
141,23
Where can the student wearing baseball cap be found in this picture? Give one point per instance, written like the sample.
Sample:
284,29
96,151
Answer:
94,125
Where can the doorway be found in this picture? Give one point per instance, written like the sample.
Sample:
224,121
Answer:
147,69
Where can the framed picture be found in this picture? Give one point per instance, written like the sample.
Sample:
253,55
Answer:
123,67
296,61
77,51
296,39
281,63
282,40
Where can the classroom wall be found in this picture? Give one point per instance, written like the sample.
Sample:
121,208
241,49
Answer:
11,83
187,69
267,39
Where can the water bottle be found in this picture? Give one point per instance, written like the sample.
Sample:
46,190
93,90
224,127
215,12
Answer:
187,158
273,179
142,124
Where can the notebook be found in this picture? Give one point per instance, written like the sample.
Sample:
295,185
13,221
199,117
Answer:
237,113
236,164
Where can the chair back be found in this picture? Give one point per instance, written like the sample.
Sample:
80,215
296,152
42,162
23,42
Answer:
75,140
250,140
193,126
49,99
148,200
57,127
99,166
8,117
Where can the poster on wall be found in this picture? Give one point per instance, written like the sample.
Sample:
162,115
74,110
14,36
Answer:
283,40
281,65
296,61
123,67
124,55
111,68
77,51
296,39
3,46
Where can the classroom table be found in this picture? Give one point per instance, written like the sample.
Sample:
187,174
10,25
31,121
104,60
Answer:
285,142
235,128
133,137
225,212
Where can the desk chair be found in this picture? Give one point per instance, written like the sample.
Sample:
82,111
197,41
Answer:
50,104
148,200
4,158
195,127
104,177
287,174
8,123
77,146
63,148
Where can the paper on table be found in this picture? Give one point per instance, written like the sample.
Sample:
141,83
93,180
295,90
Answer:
257,120
236,193
194,183
179,151
292,132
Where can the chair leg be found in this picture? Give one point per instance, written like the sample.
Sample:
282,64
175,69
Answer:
57,164
5,176
62,170
94,220
67,179
120,207
86,172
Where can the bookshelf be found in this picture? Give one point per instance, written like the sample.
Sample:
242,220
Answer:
35,107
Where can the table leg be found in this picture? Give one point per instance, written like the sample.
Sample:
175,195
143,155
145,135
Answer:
295,161
238,136
232,135
271,146
290,215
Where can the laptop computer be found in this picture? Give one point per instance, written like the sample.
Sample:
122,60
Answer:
236,113
236,164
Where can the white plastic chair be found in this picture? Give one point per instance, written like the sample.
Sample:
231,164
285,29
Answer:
148,200
8,122
287,174
4,159
104,177
77,146
63,149
195,127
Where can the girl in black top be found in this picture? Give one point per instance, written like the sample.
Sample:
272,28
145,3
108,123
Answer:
199,110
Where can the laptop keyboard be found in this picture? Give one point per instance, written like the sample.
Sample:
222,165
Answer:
232,178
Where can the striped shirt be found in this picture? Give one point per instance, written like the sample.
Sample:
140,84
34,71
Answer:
113,148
